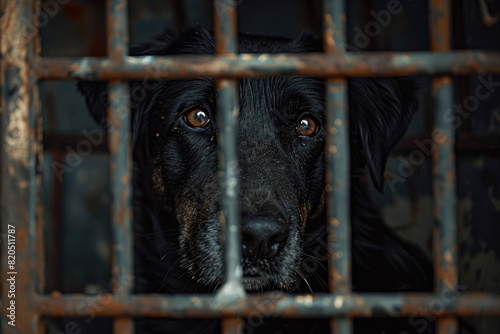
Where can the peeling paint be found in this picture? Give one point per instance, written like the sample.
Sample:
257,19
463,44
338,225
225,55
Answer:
273,305
233,66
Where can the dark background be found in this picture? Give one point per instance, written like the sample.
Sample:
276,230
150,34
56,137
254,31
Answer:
77,202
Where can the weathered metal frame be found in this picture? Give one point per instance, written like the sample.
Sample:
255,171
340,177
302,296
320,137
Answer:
233,66
21,152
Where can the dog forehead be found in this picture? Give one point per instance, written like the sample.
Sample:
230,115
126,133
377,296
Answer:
282,95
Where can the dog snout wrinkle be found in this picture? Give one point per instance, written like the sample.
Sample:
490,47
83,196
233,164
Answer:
263,236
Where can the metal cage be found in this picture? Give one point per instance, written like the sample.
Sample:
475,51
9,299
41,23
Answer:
21,152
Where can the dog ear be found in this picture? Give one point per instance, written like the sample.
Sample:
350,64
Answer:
96,93
380,111
194,40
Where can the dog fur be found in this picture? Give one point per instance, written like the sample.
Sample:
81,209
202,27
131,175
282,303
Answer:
282,172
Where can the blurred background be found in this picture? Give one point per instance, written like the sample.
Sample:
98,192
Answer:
77,199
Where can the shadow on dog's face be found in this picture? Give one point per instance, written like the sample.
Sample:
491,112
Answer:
280,149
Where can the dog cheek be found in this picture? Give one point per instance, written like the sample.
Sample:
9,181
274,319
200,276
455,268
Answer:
190,214
194,207
157,178
319,207
316,194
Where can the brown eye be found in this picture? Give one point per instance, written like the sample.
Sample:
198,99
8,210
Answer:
306,126
197,118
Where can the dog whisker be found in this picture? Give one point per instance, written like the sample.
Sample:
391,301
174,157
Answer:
162,232
305,280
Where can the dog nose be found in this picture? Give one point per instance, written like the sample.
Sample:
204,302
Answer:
263,236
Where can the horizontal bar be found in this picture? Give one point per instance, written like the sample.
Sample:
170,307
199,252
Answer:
231,66
272,305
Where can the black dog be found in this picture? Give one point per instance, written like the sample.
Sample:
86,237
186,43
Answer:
282,169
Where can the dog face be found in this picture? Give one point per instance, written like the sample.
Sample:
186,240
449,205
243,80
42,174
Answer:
281,133
281,160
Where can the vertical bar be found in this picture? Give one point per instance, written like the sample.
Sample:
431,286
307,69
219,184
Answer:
225,27
225,30
232,326
338,182
37,185
121,160
37,224
443,159
337,169
19,154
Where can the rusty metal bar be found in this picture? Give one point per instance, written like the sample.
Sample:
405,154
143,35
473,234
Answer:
276,304
36,192
228,131
443,159
225,27
334,32
337,164
445,236
19,153
251,65
117,30
228,107
120,161
121,188
225,31
232,325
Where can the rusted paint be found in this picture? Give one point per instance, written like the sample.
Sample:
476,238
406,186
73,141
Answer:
119,142
273,305
231,66
123,325
15,48
443,168
37,152
121,185
334,23
341,326
117,29
233,325
225,27
337,166
447,325
120,161
19,152
228,110
440,24
443,157
337,148
328,31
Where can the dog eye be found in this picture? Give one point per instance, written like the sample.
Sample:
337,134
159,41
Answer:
197,118
306,126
